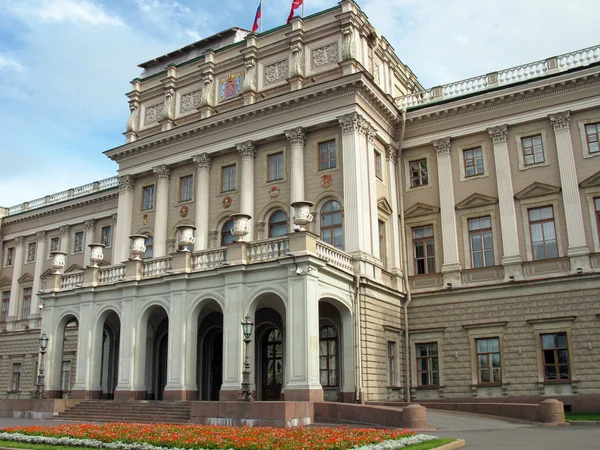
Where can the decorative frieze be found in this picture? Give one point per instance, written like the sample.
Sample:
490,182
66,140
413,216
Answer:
64,230
90,224
41,235
296,136
153,113
202,161
126,183
19,241
276,72
247,149
442,146
190,101
161,172
561,121
498,134
325,55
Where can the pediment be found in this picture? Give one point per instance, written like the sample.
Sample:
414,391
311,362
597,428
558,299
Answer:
475,200
384,206
593,181
5,281
74,268
537,189
46,273
420,209
26,278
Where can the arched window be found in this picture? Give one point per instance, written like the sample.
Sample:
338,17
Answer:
278,224
226,236
331,224
149,248
328,356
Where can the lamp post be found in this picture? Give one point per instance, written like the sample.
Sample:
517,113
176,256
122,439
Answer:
245,393
40,385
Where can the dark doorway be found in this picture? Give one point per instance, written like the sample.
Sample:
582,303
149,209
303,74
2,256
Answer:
272,364
213,364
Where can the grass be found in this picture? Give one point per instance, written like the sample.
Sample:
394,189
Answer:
431,444
575,417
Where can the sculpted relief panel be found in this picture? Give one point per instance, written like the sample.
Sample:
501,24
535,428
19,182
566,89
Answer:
325,55
153,113
190,101
276,72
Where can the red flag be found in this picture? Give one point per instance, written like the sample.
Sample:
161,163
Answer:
257,17
295,5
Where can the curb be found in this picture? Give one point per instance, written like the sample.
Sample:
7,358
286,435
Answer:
450,446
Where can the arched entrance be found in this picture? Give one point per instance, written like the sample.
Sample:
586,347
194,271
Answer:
109,354
156,341
272,364
210,348
61,373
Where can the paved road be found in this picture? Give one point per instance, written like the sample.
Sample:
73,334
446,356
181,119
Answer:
494,434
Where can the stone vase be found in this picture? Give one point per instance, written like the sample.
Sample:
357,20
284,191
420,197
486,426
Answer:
302,215
138,246
58,261
241,225
96,254
186,237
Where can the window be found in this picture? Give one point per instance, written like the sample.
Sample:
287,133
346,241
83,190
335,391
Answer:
31,252
54,242
5,306
391,350
473,162
597,209
427,365
543,234
65,376
226,236
78,244
327,155
278,224
533,150
424,250
482,245
592,131
228,175
275,163
148,197
16,377
331,224
378,167
328,356
107,235
26,302
555,353
418,173
382,243
10,256
488,360
186,184
149,243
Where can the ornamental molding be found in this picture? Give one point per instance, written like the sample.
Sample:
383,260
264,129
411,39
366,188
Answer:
41,235
246,149
276,72
296,136
560,121
391,153
356,123
442,146
322,56
64,230
126,183
90,225
153,113
537,189
202,161
162,172
190,101
498,134
19,241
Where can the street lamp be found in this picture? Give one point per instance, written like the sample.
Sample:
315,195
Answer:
245,393
40,385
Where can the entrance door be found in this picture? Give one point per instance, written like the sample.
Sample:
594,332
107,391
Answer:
272,365
161,375
213,364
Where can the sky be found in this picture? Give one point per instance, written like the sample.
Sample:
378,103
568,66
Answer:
65,65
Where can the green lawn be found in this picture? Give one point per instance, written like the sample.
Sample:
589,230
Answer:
574,417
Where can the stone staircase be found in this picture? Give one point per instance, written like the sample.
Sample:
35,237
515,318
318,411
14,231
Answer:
127,411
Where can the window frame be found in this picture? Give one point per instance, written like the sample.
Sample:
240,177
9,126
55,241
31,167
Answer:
382,238
426,257
392,363
15,376
284,223
518,139
484,146
329,159
75,247
327,357
555,351
378,162
4,300
102,235
532,147
429,370
182,189
149,252
420,175
473,159
228,168
65,374
53,238
480,232
542,221
585,149
9,258
489,367
587,137
279,158
26,298
148,201
227,233
334,226
31,255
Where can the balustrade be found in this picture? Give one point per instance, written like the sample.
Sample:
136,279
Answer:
71,280
334,256
111,274
209,259
269,249
156,267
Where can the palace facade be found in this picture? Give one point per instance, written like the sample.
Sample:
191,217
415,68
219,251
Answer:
388,242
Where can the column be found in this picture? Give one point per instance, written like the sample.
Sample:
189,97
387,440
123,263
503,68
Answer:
90,228
233,343
511,256
578,250
451,266
391,156
15,290
129,352
64,239
161,209
372,191
40,257
202,200
81,387
247,152
296,137
113,257
124,212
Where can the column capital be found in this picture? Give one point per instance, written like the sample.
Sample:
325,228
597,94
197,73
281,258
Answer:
202,161
19,241
90,224
350,122
114,217
560,121
41,235
296,136
246,149
442,146
369,131
162,172
126,183
391,153
64,230
498,134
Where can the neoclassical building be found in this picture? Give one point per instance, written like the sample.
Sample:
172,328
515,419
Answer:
388,242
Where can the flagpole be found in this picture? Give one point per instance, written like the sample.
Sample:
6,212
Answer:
261,14
303,8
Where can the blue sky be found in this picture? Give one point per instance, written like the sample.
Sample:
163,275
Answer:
65,65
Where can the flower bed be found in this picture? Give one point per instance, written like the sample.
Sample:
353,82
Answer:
131,436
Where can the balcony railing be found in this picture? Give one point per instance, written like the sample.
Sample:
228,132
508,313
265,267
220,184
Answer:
269,249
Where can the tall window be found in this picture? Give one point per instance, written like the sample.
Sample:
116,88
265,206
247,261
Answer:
149,252
15,385
543,233
275,163
391,354
428,372
228,176
107,235
382,242
10,256
533,150
424,250
378,165
278,224
592,132
148,197
473,161
597,208
186,184
418,173
26,301
5,306
482,245
555,352
488,360
54,242
327,155
226,236
328,356
331,224
31,252
78,244
65,376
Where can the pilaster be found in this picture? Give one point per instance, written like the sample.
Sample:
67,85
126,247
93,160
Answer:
161,209
40,256
64,239
15,290
203,163
371,200
247,151
124,212
391,154
90,229
296,138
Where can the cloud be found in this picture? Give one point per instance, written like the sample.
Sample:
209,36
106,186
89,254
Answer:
76,11
8,62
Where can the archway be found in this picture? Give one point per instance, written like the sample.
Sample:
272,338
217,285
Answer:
157,344
210,346
62,366
107,353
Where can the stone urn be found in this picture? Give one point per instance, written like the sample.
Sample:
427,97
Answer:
241,225
96,254
302,216
138,246
186,237
58,261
